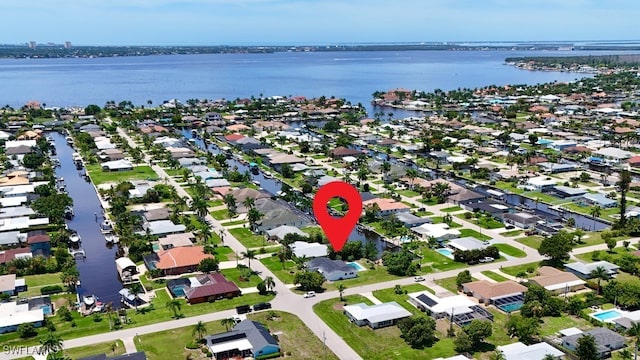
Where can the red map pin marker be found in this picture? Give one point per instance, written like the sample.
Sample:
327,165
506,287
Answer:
337,229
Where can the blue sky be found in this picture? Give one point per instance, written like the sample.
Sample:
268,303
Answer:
214,22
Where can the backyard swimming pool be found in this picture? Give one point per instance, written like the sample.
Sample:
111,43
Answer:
607,315
178,290
356,266
446,252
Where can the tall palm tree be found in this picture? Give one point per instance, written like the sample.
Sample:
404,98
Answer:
634,331
50,343
412,174
386,167
230,201
199,206
174,305
596,211
249,203
227,323
341,288
599,273
199,329
249,254
136,289
254,215
269,283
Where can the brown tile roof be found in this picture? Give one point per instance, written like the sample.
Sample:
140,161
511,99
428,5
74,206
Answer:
551,276
38,239
386,204
181,257
489,290
343,151
8,255
234,137
213,285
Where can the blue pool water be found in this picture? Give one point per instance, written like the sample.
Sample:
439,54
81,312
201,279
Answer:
178,290
446,252
356,266
607,315
511,307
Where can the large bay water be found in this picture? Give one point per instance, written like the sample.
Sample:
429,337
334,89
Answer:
352,75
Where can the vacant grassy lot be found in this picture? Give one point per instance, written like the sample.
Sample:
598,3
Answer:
451,209
515,270
531,241
387,295
473,233
510,250
494,276
376,344
247,238
138,173
234,275
284,274
511,233
438,261
109,348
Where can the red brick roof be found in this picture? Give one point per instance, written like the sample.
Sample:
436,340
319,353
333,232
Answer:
233,137
8,255
38,239
181,257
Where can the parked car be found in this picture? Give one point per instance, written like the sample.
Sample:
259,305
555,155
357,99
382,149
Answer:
487,259
418,279
261,306
310,294
509,227
243,309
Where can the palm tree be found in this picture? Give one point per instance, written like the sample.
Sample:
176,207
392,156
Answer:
249,202
199,206
634,331
199,329
269,283
282,256
341,288
412,174
625,354
599,273
386,167
249,254
50,343
136,289
499,355
596,211
230,201
175,305
205,231
254,215
227,323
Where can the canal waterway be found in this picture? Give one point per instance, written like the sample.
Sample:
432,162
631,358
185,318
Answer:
98,275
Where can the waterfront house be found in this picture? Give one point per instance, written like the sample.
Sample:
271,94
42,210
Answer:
332,270
281,231
117,165
242,194
176,261
13,314
10,285
376,316
568,193
111,155
126,268
584,270
522,220
276,214
308,250
39,243
12,238
600,200
460,307
162,227
466,244
489,292
557,281
613,155
606,341
176,240
540,183
439,232
341,152
203,288
409,220
520,351
386,206
248,339
11,254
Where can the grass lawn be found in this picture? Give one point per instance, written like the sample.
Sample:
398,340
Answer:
451,209
422,213
234,275
36,282
222,214
225,253
604,255
508,187
514,270
542,197
235,222
138,173
247,238
531,241
450,283
376,344
595,238
510,250
473,233
552,325
285,275
439,220
494,276
214,203
408,193
109,348
387,295
511,233
438,261
379,274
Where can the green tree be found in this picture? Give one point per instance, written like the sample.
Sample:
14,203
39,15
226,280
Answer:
399,263
634,331
463,277
557,246
309,280
524,328
33,160
199,329
262,288
249,254
478,330
227,323
269,283
611,243
595,212
175,306
587,348
199,206
341,288
70,277
254,215
418,332
463,343
208,265
599,273
50,343
287,171
230,202
623,187
26,330
92,109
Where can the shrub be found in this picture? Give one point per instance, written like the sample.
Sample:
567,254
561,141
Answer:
26,330
192,345
50,289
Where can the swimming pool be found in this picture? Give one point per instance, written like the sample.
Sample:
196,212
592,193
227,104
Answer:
607,315
511,307
446,252
178,290
356,266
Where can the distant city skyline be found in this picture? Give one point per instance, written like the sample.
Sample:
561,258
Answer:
313,22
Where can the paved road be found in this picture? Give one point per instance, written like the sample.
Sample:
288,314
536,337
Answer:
286,300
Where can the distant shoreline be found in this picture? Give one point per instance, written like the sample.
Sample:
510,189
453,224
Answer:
59,51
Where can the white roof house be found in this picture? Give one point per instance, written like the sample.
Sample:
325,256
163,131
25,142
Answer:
613,153
541,182
584,270
457,304
13,314
376,316
520,351
437,231
466,244
117,165
310,250
15,143
281,231
161,227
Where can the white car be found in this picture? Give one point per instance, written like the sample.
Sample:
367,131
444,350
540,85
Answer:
487,259
418,279
310,294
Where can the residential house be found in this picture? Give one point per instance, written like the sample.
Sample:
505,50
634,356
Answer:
176,261
520,351
386,206
341,152
409,220
117,165
522,220
557,281
540,183
111,155
39,244
439,232
466,244
309,250
489,292
11,254
12,238
459,307
203,288
584,270
276,214
569,193
13,314
376,316
241,194
606,341
248,339
10,285
332,270
613,155
171,241
140,355
126,268
281,231
600,200
162,227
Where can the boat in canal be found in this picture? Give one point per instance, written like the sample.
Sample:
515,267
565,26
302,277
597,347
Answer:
69,140
111,239
68,213
74,238
106,227
89,300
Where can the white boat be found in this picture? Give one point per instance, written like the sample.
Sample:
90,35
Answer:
74,238
69,140
89,300
106,227
111,239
